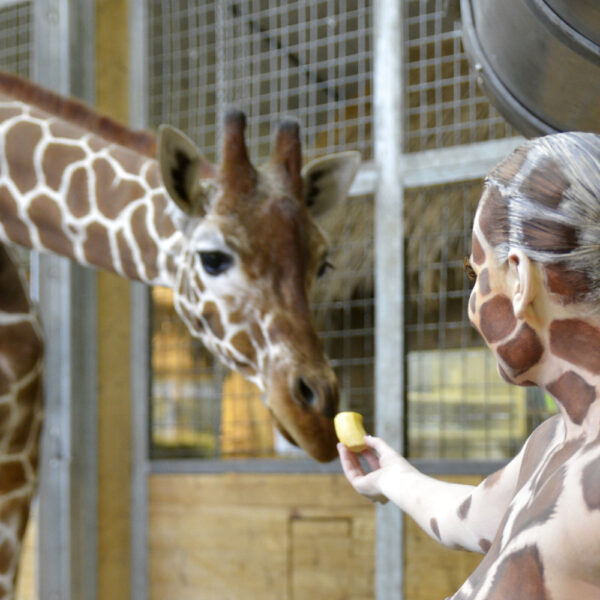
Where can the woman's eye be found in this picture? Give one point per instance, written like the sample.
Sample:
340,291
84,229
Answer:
472,276
215,262
323,268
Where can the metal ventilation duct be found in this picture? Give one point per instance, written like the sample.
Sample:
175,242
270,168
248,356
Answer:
537,60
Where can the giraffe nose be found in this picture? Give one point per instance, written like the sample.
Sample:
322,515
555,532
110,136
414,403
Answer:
316,396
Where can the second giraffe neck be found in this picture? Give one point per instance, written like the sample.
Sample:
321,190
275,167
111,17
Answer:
67,191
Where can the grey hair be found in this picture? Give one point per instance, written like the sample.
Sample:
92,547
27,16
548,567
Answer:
544,199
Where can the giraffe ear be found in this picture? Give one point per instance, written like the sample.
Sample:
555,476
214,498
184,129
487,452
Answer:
328,179
182,169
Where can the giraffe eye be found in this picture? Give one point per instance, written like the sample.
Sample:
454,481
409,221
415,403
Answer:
215,262
323,268
471,275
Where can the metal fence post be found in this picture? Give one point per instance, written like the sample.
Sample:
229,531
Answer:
389,272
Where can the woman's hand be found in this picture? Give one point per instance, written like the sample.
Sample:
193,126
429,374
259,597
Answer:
383,461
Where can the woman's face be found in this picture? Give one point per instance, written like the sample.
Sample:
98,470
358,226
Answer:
516,345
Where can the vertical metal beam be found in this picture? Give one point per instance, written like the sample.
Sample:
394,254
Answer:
67,527
389,273
140,329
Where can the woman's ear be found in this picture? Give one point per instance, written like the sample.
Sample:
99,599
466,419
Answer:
523,282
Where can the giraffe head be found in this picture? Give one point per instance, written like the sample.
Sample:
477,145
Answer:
535,251
251,253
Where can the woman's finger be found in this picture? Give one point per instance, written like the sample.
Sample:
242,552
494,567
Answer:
350,463
371,459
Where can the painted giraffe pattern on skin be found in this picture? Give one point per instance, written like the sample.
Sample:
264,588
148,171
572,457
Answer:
539,550
238,245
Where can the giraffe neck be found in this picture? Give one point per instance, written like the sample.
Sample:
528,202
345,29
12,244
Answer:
68,191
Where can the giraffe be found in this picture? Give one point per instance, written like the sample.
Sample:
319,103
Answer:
238,245
534,265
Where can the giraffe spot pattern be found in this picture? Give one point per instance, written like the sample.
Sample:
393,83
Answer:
577,342
16,231
63,129
128,263
46,215
113,194
25,427
144,241
590,484
164,227
96,247
78,194
57,157
243,344
497,319
257,335
575,394
523,352
7,556
12,476
22,348
213,319
20,143
14,298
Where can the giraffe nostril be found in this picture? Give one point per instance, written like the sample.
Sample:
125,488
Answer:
304,392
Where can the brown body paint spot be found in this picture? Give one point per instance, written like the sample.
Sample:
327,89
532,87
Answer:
12,476
493,479
78,194
537,447
522,352
559,457
128,263
463,509
497,319
572,286
96,247
484,544
57,157
575,394
520,575
146,244
493,217
505,170
543,505
435,528
112,194
46,215
213,319
477,251
545,183
577,342
590,484
21,141
484,282
549,236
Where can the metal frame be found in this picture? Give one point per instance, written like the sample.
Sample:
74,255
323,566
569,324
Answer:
67,295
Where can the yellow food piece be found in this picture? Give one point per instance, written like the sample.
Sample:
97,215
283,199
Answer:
350,430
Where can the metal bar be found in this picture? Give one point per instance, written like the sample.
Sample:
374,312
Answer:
389,269
184,466
140,328
10,3
67,490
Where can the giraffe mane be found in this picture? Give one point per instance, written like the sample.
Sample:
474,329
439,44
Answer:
78,113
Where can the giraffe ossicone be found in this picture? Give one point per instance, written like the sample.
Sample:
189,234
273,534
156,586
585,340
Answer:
238,244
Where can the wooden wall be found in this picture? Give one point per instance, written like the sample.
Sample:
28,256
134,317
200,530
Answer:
280,537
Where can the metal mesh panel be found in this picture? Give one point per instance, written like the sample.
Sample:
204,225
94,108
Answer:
444,105
458,406
308,60
15,37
